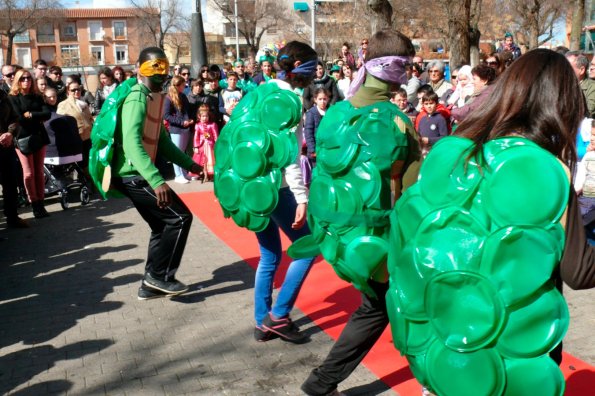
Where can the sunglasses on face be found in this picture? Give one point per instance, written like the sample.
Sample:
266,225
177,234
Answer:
75,90
492,63
454,77
185,74
364,42
9,75
25,78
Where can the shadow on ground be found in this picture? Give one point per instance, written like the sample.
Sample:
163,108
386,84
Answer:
54,275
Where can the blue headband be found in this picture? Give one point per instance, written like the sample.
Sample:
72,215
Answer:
305,69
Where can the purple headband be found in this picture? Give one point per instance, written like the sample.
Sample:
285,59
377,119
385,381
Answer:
388,68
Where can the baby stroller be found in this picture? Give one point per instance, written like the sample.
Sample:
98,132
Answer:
63,174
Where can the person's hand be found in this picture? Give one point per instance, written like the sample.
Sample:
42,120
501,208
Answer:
27,114
6,139
196,169
300,216
163,193
195,149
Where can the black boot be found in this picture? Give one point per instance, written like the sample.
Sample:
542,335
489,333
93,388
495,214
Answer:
39,210
42,207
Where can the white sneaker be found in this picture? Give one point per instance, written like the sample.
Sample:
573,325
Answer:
181,180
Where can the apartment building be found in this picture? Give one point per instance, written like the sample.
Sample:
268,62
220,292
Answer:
85,37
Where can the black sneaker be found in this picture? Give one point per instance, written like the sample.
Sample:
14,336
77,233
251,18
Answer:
172,287
263,335
145,293
285,329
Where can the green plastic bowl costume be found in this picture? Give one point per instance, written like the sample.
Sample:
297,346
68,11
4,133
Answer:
102,136
253,148
350,199
472,251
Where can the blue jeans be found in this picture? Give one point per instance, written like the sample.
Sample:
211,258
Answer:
269,241
181,141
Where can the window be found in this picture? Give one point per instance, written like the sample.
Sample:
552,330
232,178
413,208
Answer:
97,56
70,55
119,30
24,57
69,29
95,30
45,33
22,37
121,54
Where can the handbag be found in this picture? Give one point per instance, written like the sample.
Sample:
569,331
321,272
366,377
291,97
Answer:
30,144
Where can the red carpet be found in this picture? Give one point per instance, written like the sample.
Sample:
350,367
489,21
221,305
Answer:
329,301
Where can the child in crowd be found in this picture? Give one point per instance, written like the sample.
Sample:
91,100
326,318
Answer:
336,72
206,133
212,90
313,117
50,97
421,91
196,97
230,96
432,126
399,98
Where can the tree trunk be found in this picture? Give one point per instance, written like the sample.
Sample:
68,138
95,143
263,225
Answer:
458,32
474,36
382,14
534,34
578,16
10,37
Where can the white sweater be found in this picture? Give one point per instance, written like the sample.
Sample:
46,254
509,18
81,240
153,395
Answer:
293,173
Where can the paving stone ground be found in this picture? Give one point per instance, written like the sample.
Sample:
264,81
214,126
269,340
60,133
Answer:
70,322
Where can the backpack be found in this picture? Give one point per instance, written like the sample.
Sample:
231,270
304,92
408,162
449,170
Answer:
102,137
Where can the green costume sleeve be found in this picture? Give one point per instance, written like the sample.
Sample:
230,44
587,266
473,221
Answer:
134,112
133,118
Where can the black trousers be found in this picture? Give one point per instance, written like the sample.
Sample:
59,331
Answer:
169,226
9,174
360,334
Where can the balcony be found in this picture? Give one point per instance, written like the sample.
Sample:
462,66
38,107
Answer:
46,38
68,38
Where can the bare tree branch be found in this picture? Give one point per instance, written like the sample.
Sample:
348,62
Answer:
17,17
158,17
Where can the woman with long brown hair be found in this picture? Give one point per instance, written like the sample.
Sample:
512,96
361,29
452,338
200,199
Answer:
176,111
32,112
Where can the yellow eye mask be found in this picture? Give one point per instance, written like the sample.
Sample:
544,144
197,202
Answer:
154,66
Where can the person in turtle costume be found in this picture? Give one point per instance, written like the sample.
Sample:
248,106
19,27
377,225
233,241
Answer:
367,154
127,137
480,245
259,184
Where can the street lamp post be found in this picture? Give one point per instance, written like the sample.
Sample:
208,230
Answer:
197,41
313,22
235,6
